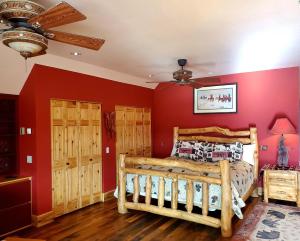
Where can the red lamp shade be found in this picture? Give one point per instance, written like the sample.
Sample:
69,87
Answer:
283,126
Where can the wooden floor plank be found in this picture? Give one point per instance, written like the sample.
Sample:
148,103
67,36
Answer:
102,222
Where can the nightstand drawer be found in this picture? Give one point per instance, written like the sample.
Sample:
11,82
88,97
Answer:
282,179
283,192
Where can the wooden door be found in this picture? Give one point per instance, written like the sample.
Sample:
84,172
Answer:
90,153
130,130
76,155
139,133
71,168
96,145
133,131
147,148
58,156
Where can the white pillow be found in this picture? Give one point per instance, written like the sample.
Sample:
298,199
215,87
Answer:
248,153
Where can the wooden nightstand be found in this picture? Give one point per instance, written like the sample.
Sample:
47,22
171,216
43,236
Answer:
282,184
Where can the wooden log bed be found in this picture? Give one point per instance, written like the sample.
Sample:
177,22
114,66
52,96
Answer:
209,134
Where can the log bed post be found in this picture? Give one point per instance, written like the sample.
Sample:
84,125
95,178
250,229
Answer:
253,138
226,211
122,186
175,134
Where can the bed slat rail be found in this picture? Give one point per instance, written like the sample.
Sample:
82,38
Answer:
127,165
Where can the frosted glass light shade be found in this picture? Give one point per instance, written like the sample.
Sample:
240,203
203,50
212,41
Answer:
25,47
25,41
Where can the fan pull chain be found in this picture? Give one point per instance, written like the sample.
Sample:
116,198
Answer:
26,67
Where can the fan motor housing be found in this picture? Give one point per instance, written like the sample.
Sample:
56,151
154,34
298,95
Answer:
182,74
14,9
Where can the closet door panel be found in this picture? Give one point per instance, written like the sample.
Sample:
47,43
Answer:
76,154
96,183
139,135
72,182
96,145
147,132
120,132
85,154
130,125
58,156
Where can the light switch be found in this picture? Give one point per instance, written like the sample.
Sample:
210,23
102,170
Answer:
107,150
22,131
28,131
29,159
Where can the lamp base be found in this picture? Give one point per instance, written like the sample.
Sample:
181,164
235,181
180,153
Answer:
283,155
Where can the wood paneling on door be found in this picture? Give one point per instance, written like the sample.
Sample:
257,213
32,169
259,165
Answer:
76,155
133,131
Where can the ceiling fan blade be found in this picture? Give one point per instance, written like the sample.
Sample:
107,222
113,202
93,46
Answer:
157,82
61,14
206,80
74,39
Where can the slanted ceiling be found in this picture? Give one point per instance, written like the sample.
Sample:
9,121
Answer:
146,37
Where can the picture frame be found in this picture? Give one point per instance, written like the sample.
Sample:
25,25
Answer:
216,99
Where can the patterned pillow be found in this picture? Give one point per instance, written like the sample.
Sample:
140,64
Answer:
215,152
193,150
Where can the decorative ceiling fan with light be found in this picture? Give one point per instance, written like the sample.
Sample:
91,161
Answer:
28,23
185,77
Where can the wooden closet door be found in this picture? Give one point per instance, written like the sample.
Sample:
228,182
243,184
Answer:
85,156
147,148
76,155
120,130
96,145
72,181
58,156
90,153
139,133
130,130
133,132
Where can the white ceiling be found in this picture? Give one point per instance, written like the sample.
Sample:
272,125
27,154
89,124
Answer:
147,37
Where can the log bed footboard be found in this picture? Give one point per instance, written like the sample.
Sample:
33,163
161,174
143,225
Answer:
224,135
127,164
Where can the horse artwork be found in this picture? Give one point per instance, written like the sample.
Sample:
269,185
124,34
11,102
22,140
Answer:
216,99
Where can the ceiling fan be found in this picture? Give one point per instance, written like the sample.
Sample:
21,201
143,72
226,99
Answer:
184,77
28,23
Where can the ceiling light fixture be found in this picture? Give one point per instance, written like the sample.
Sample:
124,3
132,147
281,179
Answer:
76,53
26,42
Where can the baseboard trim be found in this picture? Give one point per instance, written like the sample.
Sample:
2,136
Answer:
43,219
108,195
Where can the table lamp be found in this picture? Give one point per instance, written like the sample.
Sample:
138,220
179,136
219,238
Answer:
282,126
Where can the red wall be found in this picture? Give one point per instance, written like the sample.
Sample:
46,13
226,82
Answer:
261,96
45,83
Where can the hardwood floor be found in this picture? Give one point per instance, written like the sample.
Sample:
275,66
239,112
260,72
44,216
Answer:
103,222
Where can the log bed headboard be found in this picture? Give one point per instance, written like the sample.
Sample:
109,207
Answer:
220,135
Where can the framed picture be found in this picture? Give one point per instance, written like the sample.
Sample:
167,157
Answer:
216,99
